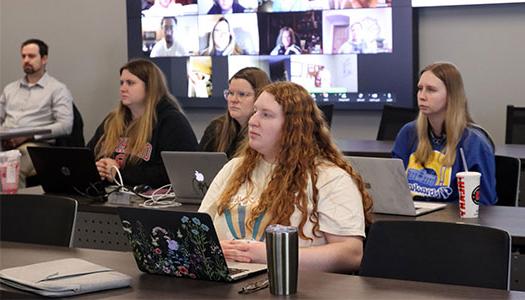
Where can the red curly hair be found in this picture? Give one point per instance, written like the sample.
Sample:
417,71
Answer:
304,145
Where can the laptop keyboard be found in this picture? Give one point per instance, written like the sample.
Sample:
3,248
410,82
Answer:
234,271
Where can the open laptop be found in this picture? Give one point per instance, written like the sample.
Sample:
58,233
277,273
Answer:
191,173
180,244
67,170
388,185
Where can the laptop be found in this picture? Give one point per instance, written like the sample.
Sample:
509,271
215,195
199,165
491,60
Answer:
180,244
67,170
191,173
387,183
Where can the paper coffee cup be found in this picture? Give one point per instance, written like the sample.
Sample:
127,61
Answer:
468,190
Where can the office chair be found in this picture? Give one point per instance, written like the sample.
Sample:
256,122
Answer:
450,253
328,110
515,125
392,120
76,137
508,170
37,219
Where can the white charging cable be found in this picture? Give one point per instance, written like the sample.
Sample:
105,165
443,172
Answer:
155,200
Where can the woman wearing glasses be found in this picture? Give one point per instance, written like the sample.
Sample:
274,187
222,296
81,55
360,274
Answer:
225,133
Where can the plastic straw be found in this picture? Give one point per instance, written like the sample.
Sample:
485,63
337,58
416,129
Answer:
463,159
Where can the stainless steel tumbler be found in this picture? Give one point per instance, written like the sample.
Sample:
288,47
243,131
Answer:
282,253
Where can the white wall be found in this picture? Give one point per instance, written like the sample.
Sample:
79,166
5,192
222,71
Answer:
487,43
88,45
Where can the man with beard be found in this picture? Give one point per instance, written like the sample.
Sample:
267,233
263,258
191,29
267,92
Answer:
37,100
168,46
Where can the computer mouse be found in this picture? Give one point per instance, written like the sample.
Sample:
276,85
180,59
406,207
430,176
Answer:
141,188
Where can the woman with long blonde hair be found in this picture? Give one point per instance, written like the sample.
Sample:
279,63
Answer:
147,120
225,133
430,146
291,173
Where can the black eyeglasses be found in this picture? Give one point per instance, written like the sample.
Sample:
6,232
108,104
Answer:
240,95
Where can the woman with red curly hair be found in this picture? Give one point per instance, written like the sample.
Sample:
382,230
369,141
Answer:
291,173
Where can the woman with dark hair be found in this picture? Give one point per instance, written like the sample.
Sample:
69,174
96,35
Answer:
222,40
147,120
226,7
225,133
291,173
286,43
430,145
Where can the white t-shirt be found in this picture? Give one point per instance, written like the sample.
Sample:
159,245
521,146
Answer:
340,207
161,49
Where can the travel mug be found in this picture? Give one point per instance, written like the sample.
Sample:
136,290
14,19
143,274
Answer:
282,253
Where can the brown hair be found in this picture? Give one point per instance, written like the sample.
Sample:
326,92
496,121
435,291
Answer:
229,128
304,145
119,122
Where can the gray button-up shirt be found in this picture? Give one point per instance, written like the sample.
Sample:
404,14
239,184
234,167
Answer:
45,104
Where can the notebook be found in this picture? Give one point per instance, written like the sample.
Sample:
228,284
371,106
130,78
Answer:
180,244
67,170
387,183
191,173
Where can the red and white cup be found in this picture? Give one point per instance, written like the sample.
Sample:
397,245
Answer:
469,193
9,171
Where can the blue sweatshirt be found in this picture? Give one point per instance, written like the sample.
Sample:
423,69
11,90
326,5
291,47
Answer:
436,182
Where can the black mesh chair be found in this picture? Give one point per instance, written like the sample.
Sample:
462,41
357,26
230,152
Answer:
449,253
37,219
508,170
515,128
328,110
392,119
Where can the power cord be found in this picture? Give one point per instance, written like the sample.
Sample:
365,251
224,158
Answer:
153,200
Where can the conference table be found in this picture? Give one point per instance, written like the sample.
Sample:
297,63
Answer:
311,285
8,133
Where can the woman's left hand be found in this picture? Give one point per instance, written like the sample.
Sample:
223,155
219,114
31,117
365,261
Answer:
244,251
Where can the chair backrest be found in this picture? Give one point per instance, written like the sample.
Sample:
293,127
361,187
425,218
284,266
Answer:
76,138
37,219
392,119
328,110
508,170
515,125
439,252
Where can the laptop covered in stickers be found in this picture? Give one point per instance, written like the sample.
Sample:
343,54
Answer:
180,244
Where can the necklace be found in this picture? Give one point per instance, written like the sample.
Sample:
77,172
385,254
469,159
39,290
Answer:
437,140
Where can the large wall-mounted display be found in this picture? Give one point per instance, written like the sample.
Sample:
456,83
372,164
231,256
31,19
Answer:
354,54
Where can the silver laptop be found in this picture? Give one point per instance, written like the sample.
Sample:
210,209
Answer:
191,173
387,183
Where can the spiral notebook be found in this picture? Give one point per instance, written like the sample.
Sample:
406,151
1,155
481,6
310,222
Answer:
191,173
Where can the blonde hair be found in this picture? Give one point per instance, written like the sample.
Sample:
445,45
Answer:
457,116
119,122
305,144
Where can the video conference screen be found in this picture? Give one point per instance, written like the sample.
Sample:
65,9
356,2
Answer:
355,54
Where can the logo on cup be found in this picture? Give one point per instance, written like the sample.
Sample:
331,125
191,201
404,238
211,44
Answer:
475,195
